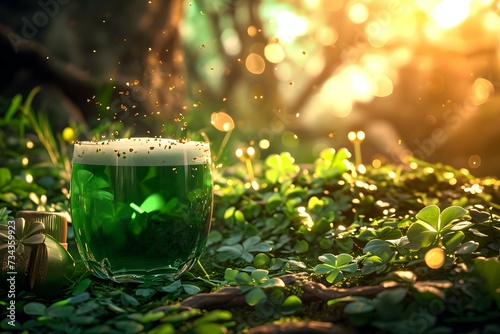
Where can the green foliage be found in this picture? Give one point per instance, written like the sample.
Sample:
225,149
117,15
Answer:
243,251
489,270
35,164
325,224
433,224
280,168
334,267
253,285
332,163
14,190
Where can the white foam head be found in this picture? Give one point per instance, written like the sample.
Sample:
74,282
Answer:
141,152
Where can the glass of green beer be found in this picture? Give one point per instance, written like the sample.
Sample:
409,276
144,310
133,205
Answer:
141,207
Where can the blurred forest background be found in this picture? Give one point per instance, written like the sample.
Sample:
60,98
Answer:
419,78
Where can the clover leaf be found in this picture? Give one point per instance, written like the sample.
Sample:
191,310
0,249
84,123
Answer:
280,167
332,163
431,224
334,266
253,284
243,251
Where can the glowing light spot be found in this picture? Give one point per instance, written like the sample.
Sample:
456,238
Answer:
473,189
376,163
482,90
264,144
358,13
435,258
306,218
30,144
449,175
384,86
450,13
255,64
25,161
361,83
274,53
474,161
326,36
362,170
356,136
251,31
231,42
68,134
251,151
429,170
290,26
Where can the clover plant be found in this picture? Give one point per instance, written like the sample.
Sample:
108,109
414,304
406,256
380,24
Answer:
334,267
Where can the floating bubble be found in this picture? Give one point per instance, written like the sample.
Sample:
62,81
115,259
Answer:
222,121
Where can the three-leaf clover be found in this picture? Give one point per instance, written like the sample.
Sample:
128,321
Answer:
243,251
253,284
280,167
432,224
334,266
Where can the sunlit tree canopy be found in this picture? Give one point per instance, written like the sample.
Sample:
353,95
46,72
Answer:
418,77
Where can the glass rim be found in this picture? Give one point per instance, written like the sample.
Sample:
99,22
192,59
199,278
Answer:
142,151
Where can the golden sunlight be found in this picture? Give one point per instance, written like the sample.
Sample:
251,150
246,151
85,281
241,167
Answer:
290,26
358,13
274,53
450,13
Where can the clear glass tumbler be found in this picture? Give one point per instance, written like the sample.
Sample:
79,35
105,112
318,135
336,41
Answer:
141,207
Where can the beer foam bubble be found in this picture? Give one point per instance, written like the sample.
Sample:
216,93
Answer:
141,152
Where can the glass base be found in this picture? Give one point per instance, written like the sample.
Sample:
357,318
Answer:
102,270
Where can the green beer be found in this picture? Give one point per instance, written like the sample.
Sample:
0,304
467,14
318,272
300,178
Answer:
141,207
